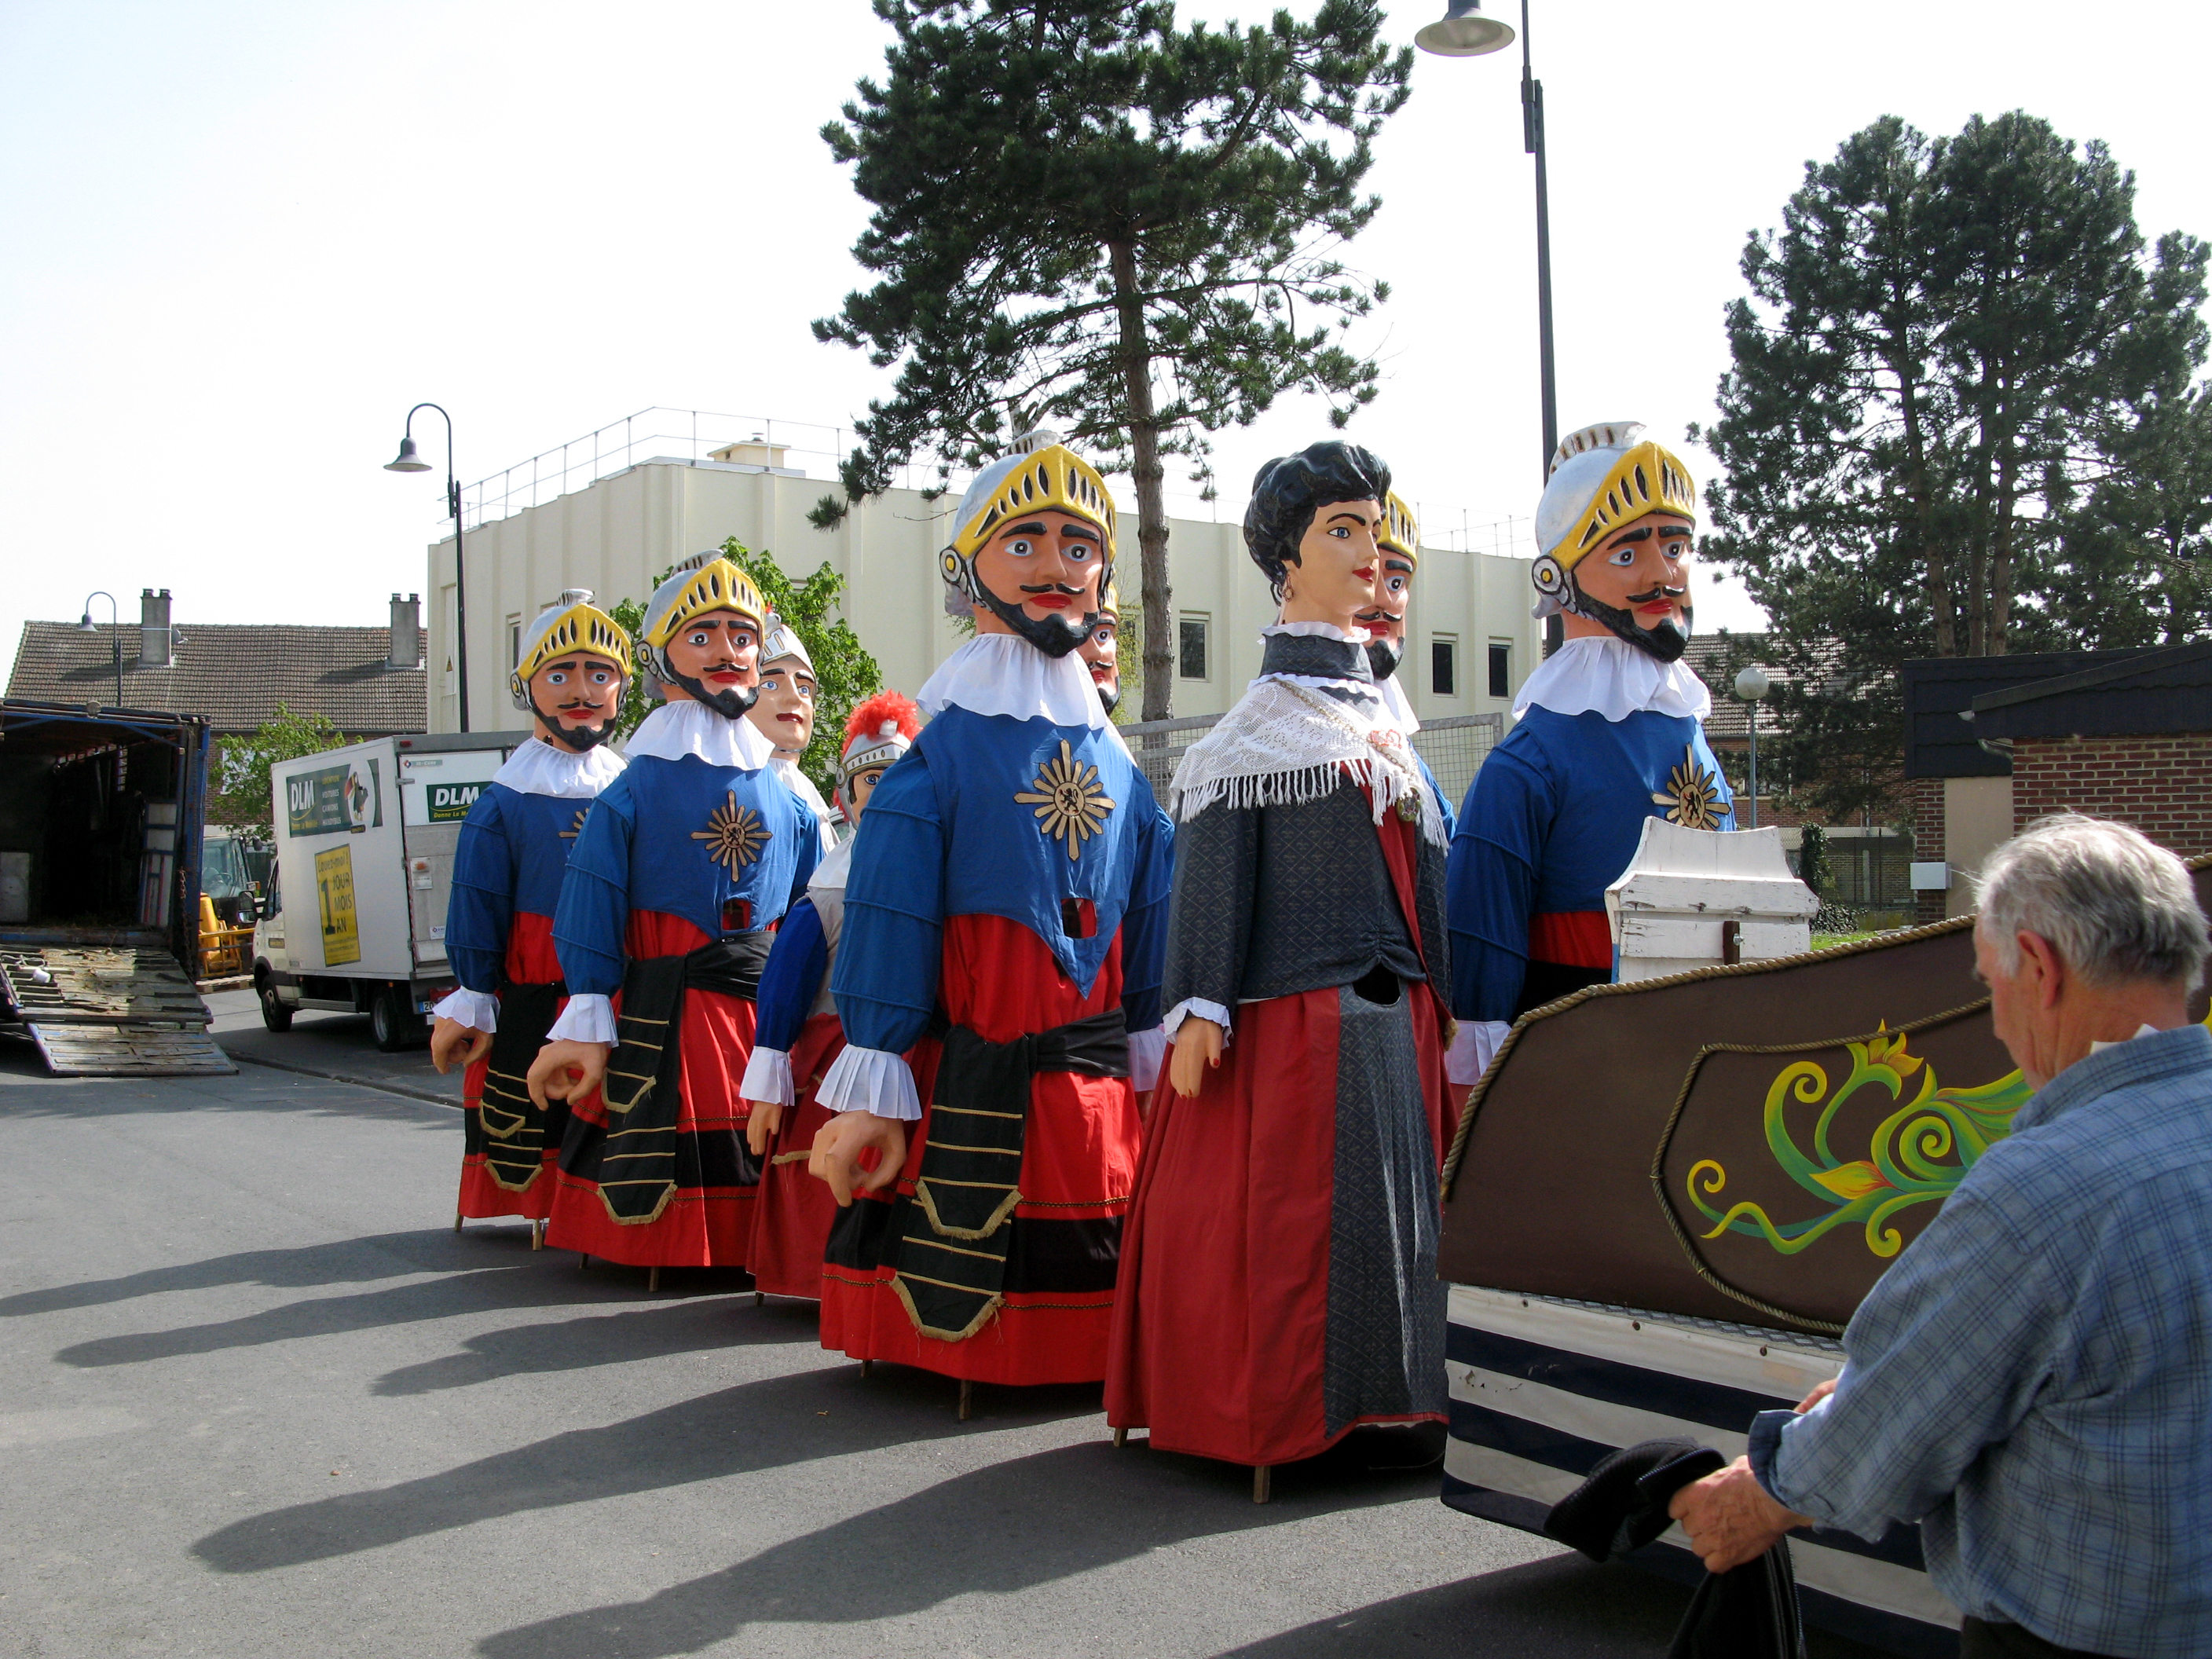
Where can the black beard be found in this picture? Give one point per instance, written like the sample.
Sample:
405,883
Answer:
1666,643
731,705
1384,656
1111,696
581,737
1055,635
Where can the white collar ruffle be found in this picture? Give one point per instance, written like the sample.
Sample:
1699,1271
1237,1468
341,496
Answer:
830,874
803,786
1005,674
539,768
687,727
1614,678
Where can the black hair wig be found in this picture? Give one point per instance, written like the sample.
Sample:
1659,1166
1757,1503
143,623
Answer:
1290,489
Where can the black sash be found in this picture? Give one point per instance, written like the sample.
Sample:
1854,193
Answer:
641,1161
507,1128
949,1240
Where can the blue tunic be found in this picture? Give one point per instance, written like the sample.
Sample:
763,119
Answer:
792,979
512,851
1553,817
725,849
947,837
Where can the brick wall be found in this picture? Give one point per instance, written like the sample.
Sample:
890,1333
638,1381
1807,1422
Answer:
2160,784
1927,805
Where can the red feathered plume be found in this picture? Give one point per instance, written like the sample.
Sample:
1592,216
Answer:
868,719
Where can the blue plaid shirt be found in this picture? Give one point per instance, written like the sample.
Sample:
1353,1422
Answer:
2032,1381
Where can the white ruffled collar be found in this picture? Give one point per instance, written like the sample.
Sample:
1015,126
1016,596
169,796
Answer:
539,768
830,874
1005,674
1614,678
687,727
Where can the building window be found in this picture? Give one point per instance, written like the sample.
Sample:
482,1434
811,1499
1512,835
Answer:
515,641
1501,668
1191,664
1444,667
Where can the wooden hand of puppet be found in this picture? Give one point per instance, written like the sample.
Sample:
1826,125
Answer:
1197,1051
767,1117
839,1146
453,1043
566,1070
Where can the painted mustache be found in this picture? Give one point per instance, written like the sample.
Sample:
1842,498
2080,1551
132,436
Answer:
1052,588
1661,591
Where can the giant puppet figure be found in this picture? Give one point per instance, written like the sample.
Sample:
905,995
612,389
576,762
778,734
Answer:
1101,649
800,1037
1278,1283
785,711
1608,736
508,865
1398,547
1009,892
686,862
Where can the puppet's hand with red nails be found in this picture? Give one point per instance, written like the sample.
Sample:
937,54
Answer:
840,1145
1197,1051
567,1070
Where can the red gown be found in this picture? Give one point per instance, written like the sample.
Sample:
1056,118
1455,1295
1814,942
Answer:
1079,1160
792,1216
530,961
705,1227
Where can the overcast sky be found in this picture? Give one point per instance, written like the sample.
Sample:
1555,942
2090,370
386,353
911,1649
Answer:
241,239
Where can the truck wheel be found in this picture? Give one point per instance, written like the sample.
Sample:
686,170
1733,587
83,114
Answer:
392,1020
275,1014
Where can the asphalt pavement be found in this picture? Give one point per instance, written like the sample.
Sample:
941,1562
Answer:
257,1397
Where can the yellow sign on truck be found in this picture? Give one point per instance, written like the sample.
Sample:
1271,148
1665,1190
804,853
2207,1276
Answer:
334,898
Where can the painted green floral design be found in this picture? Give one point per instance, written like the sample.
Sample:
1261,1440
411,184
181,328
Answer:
1916,1155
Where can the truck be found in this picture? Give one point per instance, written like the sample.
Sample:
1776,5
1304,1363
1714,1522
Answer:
101,812
365,838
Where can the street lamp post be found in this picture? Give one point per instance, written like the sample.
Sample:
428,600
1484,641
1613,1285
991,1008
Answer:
1464,31
408,461
1751,685
85,625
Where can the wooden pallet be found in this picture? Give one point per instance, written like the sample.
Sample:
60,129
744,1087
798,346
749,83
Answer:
98,985
86,1050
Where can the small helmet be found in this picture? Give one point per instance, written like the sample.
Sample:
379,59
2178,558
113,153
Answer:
572,627
703,582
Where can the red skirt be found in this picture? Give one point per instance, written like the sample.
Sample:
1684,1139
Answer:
1079,1158
792,1216
702,1226
530,961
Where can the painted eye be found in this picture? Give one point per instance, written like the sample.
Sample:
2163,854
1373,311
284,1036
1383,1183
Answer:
701,637
805,688
601,676
1395,585
1075,551
1021,547
1624,558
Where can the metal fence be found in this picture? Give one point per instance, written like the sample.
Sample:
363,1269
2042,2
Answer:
1454,747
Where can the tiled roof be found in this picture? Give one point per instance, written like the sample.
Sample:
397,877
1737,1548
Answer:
233,674
1729,722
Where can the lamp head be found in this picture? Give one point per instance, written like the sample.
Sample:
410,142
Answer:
407,460
1751,684
1464,31
85,625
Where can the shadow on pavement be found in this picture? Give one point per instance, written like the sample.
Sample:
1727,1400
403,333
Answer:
567,1345
253,1089
772,1423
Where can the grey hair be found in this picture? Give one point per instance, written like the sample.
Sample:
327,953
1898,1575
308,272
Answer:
2116,906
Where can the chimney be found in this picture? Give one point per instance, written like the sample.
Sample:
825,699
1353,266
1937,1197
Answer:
406,631
153,637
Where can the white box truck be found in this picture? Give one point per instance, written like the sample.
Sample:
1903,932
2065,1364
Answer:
365,841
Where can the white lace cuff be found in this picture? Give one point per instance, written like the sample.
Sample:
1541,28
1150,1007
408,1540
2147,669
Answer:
870,1080
1473,1050
478,1010
768,1076
587,1018
1205,1010
1146,1050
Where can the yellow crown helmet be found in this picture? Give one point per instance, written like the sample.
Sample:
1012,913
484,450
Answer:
704,582
573,627
1602,478
1042,475
1400,533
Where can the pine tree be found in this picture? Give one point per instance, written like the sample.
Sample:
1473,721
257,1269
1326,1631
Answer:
1957,380
1088,216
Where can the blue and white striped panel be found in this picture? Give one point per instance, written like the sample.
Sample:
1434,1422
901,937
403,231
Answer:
1541,1389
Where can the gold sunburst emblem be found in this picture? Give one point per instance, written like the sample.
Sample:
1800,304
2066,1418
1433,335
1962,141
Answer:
577,828
733,835
1069,804
1692,793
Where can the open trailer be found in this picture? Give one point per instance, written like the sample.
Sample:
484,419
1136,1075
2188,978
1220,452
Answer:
100,816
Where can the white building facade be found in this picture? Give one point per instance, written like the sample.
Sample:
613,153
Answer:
1472,639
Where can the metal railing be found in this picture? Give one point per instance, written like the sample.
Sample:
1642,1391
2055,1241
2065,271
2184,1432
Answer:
1454,747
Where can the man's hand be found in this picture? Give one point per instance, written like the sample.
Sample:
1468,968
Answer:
760,1128
1821,1391
839,1144
453,1043
1197,1051
566,1071
1729,1517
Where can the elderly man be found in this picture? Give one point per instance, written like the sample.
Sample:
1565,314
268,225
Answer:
2031,1382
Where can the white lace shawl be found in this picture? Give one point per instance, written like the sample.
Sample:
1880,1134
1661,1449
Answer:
1284,745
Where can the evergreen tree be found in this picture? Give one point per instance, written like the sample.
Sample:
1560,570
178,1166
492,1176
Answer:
1960,398
1087,215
